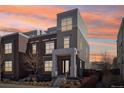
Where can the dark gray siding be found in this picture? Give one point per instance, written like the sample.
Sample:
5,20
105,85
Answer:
23,40
78,34
72,33
40,42
17,40
13,57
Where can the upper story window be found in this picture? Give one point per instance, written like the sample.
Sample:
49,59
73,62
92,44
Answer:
8,66
49,47
8,48
34,50
66,24
66,42
48,66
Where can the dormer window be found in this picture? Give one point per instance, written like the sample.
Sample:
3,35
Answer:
66,24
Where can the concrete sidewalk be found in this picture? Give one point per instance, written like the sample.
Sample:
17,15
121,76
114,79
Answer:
4,85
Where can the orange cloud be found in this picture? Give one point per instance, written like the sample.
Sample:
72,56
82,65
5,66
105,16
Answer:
46,11
102,44
101,25
95,57
104,33
102,37
27,17
104,30
95,16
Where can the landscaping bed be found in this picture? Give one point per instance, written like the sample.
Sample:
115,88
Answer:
71,84
34,83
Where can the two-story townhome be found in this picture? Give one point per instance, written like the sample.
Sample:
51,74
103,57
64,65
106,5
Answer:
61,50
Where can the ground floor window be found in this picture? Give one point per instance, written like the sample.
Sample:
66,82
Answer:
48,65
8,66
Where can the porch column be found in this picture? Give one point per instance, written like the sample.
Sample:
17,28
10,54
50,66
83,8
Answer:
54,67
73,68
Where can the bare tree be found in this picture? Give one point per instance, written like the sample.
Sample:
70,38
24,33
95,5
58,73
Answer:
107,59
114,64
31,62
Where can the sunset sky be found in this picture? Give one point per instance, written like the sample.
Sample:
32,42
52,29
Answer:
103,22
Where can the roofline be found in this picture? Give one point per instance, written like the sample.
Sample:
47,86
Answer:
75,9
16,33
121,23
33,30
42,35
10,34
23,35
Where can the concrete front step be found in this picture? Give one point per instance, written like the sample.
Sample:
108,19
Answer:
57,82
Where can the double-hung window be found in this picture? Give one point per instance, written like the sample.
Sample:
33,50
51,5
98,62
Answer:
8,66
8,48
66,24
66,42
49,47
48,65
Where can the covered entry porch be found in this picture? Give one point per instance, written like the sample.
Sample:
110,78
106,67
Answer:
64,62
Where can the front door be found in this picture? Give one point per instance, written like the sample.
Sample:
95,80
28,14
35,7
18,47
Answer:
64,65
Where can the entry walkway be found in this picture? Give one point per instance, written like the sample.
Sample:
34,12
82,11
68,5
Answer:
57,82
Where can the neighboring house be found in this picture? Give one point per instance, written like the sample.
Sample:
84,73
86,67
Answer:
120,48
61,50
